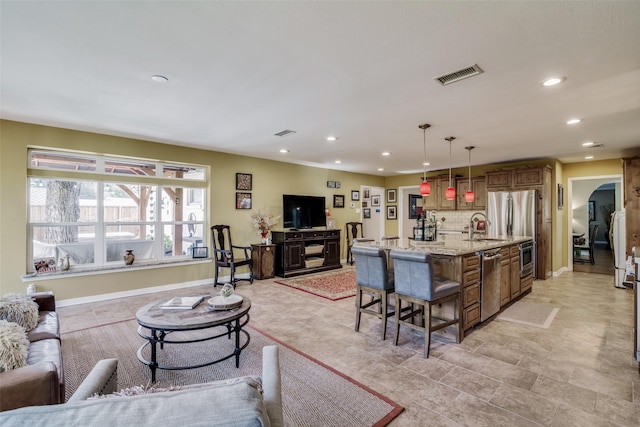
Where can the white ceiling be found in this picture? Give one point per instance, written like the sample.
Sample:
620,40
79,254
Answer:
239,72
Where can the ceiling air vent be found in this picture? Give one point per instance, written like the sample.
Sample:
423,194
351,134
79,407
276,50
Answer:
596,146
471,71
285,132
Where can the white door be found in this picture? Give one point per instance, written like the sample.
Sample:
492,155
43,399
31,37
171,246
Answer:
373,212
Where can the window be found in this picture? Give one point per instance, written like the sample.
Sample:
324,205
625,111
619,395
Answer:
98,208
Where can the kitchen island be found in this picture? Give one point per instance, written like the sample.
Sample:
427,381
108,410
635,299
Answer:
486,290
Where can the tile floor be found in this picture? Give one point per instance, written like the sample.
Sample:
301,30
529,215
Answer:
579,372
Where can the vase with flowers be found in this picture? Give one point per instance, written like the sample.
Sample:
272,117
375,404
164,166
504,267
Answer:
263,221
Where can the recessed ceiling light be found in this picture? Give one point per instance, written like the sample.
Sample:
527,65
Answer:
160,79
284,150
386,153
588,144
380,169
426,164
588,157
573,121
331,138
338,162
553,81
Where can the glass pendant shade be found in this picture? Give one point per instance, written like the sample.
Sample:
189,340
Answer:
425,188
450,194
469,196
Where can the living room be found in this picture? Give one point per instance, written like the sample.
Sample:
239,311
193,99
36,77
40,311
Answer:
593,377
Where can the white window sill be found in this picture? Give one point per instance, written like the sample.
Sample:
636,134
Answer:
88,271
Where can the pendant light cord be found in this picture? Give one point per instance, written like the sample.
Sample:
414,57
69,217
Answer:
424,162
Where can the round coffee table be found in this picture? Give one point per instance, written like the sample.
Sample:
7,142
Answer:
161,322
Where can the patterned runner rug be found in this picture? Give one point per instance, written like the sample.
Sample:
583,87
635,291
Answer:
313,394
333,285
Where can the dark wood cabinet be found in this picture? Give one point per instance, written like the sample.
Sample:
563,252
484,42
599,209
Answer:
479,190
306,251
436,199
263,258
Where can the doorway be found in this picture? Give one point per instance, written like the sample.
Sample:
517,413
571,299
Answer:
591,201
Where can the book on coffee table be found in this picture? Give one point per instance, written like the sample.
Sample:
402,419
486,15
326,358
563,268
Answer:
182,303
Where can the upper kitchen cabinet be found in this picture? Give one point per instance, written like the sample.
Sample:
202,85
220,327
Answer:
436,199
631,171
479,190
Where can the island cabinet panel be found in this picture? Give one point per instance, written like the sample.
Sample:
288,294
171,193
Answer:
505,277
306,251
470,290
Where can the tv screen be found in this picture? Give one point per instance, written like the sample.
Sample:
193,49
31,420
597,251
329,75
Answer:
303,211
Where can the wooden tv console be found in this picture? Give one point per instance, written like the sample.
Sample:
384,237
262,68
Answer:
306,251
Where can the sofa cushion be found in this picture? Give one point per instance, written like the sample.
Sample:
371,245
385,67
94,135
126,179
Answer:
238,404
47,351
14,346
48,327
19,308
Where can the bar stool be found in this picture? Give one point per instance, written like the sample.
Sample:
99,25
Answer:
416,285
373,277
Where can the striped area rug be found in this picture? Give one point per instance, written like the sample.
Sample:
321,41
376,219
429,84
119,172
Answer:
313,394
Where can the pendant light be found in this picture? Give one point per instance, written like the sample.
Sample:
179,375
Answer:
469,197
450,194
425,187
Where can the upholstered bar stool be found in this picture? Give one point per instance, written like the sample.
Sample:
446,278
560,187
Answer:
373,277
416,285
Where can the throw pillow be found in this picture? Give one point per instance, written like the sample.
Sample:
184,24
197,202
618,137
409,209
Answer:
20,309
14,346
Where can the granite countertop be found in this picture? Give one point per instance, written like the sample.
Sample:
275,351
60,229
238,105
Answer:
453,244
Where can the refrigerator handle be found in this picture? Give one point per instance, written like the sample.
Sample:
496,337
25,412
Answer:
509,215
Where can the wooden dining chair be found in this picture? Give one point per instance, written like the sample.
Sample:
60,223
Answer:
227,255
353,231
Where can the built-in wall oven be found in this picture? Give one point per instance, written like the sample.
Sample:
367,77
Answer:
527,258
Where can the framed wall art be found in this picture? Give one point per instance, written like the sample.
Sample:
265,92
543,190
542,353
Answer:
392,212
391,195
560,196
415,206
338,201
375,200
366,213
243,200
366,193
244,181
592,210
200,252
355,195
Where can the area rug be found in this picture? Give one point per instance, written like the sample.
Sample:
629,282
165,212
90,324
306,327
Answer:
313,394
530,313
333,285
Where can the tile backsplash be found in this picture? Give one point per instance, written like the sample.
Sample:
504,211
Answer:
455,220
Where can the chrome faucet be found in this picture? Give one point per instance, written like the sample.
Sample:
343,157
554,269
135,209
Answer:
471,222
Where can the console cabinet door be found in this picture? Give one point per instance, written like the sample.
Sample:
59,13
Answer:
332,252
294,256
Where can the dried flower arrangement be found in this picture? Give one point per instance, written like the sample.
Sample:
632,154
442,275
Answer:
263,221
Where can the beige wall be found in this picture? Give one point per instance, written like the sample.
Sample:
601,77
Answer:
271,179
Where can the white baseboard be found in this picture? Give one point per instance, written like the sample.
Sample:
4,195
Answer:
140,291
562,270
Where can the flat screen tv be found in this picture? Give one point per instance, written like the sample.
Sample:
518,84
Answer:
303,211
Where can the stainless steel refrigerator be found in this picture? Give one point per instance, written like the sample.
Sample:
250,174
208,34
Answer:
512,213
617,237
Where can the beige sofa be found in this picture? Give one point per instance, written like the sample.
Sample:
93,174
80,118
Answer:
239,402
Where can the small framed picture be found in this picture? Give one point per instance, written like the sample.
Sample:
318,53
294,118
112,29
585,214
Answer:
365,204
338,201
331,184
244,181
391,212
366,213
375,200
415,206
337,184
355,195
391,195
200,252
366,193
243,200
